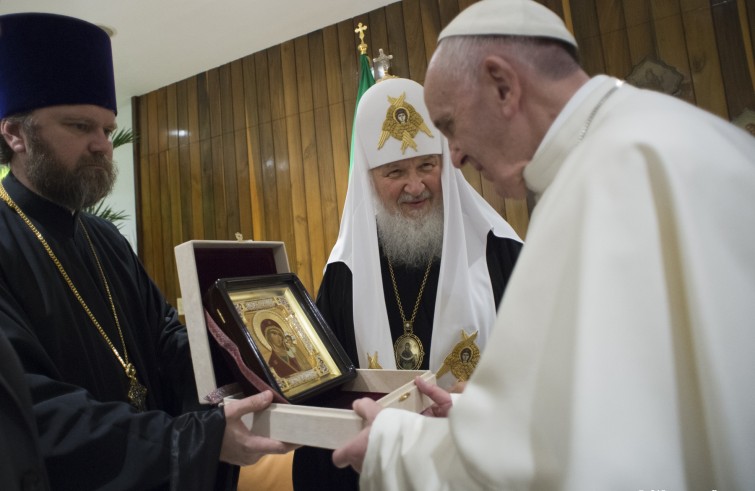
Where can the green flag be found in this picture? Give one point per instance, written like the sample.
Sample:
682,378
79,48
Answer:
366,80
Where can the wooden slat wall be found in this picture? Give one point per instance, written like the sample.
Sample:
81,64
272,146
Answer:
260,145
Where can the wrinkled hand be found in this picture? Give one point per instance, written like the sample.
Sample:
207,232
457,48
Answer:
441,398
352,453
240,446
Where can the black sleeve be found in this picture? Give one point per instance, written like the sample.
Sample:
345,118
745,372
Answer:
335,303
21,463
89,444
501,255
313,468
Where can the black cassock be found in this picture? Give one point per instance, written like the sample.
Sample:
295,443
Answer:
21,463
312,467
90,436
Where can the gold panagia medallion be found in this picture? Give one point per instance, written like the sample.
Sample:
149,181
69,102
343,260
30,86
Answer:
402,122
463,358
408,347
409,351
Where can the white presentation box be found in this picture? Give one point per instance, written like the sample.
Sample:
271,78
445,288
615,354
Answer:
199,264
327,427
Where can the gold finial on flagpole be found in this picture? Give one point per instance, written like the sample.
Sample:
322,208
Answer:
362,45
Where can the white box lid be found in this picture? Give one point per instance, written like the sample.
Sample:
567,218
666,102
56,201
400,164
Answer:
199,263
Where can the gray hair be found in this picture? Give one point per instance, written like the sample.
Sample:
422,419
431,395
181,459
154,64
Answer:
463,55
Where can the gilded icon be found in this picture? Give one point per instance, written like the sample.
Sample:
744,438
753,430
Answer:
279,334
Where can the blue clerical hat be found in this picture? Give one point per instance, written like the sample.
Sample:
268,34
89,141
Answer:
50,60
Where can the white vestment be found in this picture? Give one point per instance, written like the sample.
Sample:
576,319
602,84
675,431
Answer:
464,299
624,348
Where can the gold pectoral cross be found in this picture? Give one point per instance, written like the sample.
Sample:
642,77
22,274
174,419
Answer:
137,393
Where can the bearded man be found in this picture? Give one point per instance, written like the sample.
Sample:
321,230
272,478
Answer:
421,261
103,353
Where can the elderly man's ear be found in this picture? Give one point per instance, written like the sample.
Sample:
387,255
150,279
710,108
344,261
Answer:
499,75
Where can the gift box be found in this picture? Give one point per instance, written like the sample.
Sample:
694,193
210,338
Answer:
199,264
331,427
271,326
324,419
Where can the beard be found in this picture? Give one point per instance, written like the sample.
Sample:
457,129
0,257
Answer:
411,240
88,182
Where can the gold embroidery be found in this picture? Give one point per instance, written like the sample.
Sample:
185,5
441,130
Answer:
463,358
373,361
402,122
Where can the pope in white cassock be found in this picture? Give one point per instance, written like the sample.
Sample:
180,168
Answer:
623,350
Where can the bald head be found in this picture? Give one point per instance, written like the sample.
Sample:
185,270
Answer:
463,56
494,98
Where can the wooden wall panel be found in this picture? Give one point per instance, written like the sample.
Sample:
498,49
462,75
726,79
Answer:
163,225
300,257
430,14
465,3
639,32
556,6
587,33
613,36
328,194
241,158
671,42
174,226
280,149
738,85
141,180
261,145
253,145
266,146
415,42
338,136
705,66
318,251
397,40
747,19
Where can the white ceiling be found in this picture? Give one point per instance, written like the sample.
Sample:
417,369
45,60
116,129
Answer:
158,42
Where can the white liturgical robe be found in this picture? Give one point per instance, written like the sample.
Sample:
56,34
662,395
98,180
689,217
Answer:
624,348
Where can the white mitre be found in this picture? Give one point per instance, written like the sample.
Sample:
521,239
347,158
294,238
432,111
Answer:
464,299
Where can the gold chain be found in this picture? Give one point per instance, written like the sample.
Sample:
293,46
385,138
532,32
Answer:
419,295
137,392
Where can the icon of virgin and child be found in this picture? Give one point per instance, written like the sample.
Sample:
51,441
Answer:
286,357
292,349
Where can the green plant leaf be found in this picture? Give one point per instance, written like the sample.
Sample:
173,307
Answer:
123,136
104,211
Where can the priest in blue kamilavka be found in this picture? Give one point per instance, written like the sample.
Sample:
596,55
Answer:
105,356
